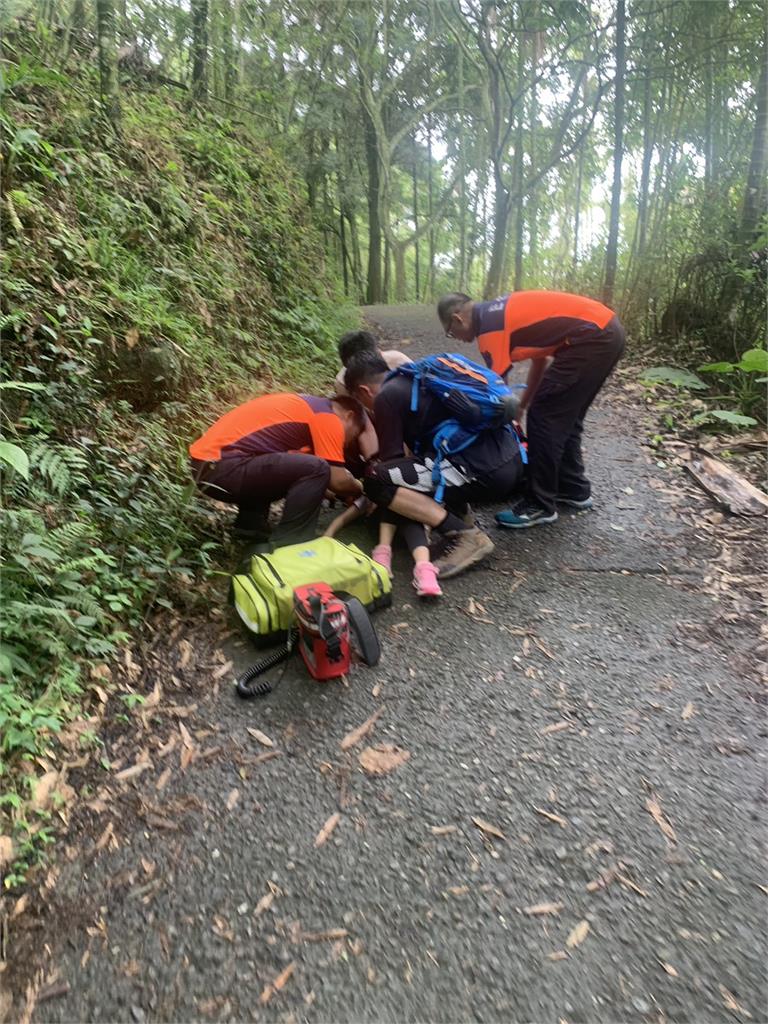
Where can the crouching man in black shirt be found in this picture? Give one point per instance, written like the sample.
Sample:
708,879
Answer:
402,484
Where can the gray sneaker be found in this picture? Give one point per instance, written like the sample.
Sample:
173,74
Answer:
467,547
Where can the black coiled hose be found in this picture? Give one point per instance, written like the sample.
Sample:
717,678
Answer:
246,684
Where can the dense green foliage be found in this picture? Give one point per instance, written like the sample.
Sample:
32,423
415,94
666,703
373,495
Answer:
149,280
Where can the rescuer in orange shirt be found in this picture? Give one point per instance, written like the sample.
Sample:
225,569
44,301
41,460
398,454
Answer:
585,341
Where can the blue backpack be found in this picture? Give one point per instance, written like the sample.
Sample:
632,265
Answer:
475,397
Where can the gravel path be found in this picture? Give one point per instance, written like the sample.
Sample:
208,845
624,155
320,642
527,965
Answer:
576,835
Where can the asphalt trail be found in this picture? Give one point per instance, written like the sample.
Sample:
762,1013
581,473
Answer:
571,692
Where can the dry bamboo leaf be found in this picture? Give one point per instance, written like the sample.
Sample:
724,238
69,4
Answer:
630,884
131,337
105,836
382,759
232,799
537,909
669,969
186,653
488,829
551,817
222,670
20,906
688,711
458,890
162,781
133,771
654,809
186,739
730,1002
187,753
279,983
362,730
264,903
261,737
577,935
558,954
555,727
328,827
442,830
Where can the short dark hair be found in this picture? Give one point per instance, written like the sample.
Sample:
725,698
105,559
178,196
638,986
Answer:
362,369
450,304
352,405
353,342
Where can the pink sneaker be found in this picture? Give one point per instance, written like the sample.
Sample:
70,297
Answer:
425,580
382,554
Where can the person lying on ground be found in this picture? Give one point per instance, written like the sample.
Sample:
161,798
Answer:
279,446
402,485
573,344
350,345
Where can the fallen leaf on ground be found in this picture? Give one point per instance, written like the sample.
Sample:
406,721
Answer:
730,1002
654,809
558,954
538,909
43,790
555,727
578,934
222,670
688,711
551,817
328,827
669,969
105,836
630,884
261,737
232,799
20,905
264,903
488,828
278,984
442,830
162,781
362,730
133,771
382,759
458,890
186,739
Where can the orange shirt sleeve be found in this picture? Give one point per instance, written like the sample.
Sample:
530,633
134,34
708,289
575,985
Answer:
327,433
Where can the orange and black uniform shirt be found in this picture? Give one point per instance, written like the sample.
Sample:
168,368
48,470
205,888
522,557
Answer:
275,423
531,325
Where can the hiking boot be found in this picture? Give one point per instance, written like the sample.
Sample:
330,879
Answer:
581,504
382,554
425,580
520,517
467,547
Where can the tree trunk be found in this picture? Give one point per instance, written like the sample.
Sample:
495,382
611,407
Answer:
462,274
398,255
499,247
611,257
199,50
430,212
518,174
417,268
755,193
374,285
107,46
577,209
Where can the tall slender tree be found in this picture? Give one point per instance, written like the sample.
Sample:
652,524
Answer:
611,256
107,49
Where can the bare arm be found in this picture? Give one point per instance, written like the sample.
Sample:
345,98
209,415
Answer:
343,483
535,373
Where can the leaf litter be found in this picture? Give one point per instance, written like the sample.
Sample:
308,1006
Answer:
324,834
382,759
354,737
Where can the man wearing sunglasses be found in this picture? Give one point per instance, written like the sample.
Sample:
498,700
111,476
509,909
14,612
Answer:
573,343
